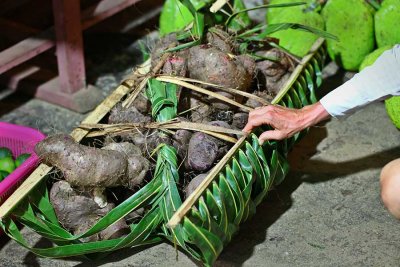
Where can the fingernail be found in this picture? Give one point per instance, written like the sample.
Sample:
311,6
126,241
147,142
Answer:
260,142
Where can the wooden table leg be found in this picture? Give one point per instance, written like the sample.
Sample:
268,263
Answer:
69,88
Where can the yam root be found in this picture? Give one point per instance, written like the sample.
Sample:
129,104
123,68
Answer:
209,64
137,164
78,212
204,150
84,166
193,184
274,74
127,115
222,40
160,48
239,120
181,140
263,94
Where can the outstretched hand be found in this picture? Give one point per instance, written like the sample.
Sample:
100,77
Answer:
285,122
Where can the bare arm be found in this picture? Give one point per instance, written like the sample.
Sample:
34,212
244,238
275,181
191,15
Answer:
377,82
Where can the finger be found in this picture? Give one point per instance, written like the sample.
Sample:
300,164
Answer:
271,135
254,122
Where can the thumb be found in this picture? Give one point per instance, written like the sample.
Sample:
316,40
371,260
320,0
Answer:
271,135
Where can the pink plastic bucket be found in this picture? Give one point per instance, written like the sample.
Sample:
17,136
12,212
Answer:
19,139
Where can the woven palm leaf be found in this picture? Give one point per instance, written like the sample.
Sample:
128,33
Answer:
240,181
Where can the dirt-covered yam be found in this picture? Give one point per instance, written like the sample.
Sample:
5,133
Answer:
193,184
82,165
202,152
176,65
181,140
78,212
240,120
221,39
131,114
201,110
263,94
161,46
209,64
223,146
142,104
138,166
147,140
274,73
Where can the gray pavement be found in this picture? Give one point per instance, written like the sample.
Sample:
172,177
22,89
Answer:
326,213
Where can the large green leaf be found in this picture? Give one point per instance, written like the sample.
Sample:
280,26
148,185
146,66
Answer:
174,17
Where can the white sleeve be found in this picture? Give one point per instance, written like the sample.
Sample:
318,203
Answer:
377,82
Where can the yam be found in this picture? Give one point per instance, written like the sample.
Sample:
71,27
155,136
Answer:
127,115
193,184
209,64
137,164
202,152
78,212
274,73
85,166
239,120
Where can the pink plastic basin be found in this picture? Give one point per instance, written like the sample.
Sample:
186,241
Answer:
19,139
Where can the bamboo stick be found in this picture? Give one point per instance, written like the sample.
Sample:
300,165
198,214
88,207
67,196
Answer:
192,199
217,5
203,91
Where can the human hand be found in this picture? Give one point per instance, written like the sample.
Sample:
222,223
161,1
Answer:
285,122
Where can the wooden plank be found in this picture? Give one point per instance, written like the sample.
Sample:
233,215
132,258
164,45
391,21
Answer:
15,31
70,57
25,50
37,44
103,10
78,134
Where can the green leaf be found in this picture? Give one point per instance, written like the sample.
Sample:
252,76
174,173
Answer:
208,243
174,17
243,10
241,20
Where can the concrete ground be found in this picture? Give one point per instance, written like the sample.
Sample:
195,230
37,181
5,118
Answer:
326,213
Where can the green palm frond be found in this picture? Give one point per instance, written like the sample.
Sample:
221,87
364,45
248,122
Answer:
230,193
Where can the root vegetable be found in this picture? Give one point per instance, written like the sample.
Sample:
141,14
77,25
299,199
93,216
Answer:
137,164
202,152
176,65
160,47
142,104
221,39
146,140
89,167
274,74
181,140
201,110
78,212
193,184
211,65
263,94
223,146
239,120
127,115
